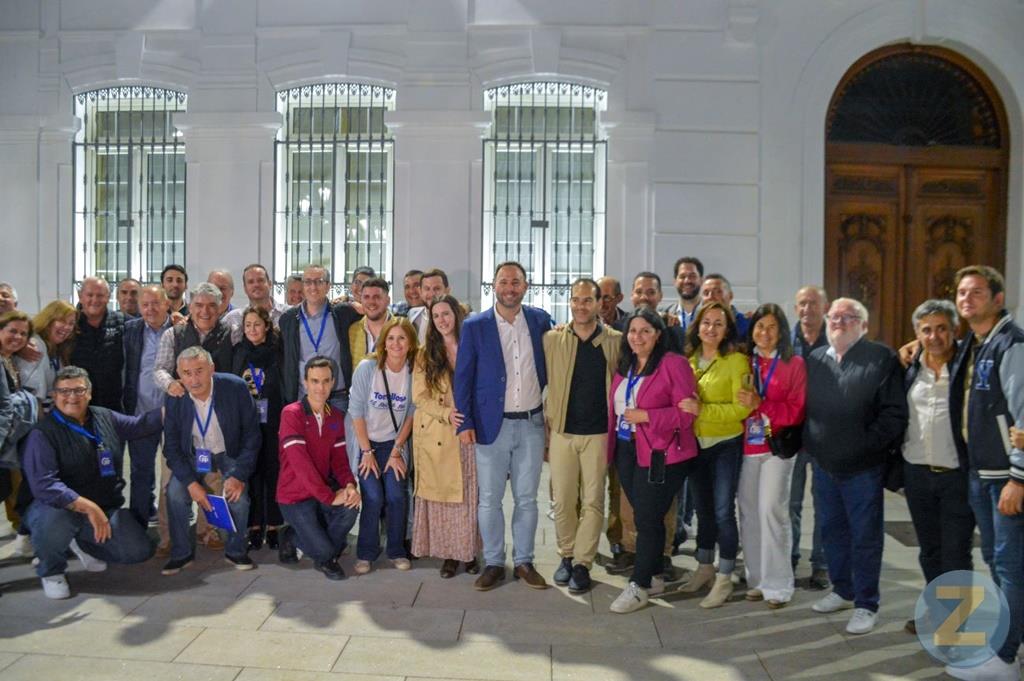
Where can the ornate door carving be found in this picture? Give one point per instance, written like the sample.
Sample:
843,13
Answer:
914,190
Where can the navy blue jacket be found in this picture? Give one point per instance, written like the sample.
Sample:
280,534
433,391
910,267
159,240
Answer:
239,421
996,390
133,330
480,370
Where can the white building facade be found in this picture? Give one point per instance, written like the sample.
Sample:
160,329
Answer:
713,120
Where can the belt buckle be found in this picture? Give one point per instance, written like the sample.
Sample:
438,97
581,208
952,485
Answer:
939,469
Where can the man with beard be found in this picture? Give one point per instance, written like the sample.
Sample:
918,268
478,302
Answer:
580,357
363,335
499,376
856,413
689,274
256,284
647,291
174,280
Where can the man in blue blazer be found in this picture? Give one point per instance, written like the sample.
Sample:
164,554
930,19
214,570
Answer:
499,376
142,394
211,439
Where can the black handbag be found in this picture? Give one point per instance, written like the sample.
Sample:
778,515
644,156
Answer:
785,443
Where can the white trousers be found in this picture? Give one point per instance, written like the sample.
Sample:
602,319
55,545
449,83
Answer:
765,529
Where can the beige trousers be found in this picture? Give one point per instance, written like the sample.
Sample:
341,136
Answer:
578,466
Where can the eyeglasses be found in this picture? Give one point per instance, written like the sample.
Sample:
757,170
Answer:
843,318
67,392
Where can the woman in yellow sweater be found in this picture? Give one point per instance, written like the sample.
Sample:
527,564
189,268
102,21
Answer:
721,372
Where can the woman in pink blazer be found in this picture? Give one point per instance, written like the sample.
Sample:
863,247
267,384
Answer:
650,440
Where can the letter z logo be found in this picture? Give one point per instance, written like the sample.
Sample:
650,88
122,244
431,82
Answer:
948,633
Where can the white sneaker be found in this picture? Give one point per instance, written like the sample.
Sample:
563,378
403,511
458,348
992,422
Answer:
832,603
90,563
632,598
22,546
56,587
994,669
861,621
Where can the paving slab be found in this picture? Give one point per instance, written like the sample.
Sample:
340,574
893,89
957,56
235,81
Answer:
483,661
203,611
360,619
559,628
93,638
60,668
269,649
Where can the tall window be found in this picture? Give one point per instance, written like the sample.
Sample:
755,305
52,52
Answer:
129,190
335,168
544,187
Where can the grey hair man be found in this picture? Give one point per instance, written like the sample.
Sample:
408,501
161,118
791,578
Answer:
8,297
856,414
99,345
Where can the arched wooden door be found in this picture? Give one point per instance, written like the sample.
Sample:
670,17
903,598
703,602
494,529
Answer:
916,167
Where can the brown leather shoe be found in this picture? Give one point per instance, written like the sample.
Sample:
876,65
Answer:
448,568
490,578
530,576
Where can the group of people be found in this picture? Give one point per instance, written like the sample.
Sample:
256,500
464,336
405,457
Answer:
303,419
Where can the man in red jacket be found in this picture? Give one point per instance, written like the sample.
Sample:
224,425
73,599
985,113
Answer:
316,489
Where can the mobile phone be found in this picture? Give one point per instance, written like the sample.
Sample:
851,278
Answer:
656,473
748,381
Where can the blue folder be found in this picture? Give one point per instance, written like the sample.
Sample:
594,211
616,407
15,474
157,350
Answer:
220,516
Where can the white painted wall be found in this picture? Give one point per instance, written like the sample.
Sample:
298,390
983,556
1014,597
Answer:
715,116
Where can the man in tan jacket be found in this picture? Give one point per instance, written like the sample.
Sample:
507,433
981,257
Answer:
580,359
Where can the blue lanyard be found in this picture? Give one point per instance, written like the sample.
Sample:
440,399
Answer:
762,390
631,381
309,332
78,429
257,379
687,319
203,427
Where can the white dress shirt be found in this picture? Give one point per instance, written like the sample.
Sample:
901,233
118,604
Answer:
522,389
929,438
214,440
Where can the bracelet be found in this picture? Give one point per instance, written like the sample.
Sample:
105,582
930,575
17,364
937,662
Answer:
396,456
367,451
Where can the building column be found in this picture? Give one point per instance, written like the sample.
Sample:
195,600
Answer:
229,206
438,193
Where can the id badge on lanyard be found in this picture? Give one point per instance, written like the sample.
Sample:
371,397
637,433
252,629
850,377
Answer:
204,457
106,460
258,378
624,431
755,430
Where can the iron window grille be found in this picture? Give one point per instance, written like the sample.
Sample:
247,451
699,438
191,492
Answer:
129,188
334,204
545,162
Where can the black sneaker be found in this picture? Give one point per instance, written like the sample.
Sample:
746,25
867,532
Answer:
272,539
579,583
331,570
564,572
621,563
819,580
176,565
286,551
241,563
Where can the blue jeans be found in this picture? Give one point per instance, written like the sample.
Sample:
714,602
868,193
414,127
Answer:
1002,547
381,496
715,479
179,517
684,511
321,531
849,512
517,455
142,454
53,529
796,513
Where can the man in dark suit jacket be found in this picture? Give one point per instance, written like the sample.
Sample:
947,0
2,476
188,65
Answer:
211,439
306,333
499,376
142,394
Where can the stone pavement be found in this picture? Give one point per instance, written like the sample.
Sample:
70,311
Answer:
288,623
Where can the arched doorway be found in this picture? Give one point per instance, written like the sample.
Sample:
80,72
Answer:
915,170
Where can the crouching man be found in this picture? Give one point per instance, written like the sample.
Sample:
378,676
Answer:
73,464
